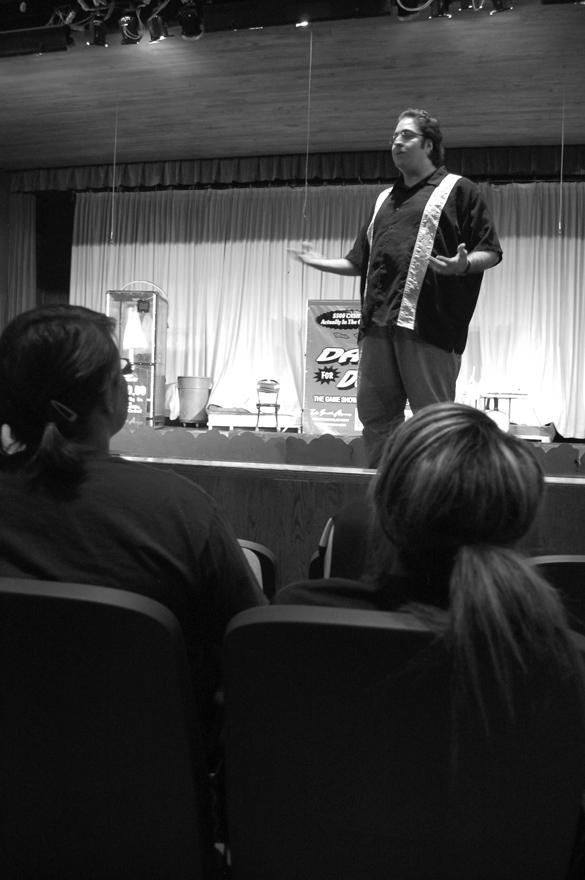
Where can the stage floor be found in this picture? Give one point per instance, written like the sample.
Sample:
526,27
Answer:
285,448
230,420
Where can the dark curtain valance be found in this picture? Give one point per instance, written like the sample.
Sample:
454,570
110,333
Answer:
489,163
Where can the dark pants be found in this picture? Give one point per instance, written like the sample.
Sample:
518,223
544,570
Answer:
396,366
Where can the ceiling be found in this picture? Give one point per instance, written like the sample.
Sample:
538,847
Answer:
509,79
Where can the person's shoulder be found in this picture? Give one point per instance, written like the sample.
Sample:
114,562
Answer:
331,592
442,171
383,194
464,184
145,477
464,193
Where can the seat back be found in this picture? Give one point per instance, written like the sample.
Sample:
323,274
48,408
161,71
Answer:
343,545
342,761
102,771
567,574
262,561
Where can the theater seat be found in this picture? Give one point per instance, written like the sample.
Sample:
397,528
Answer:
342,761
343,547
262,561
567,574
102,766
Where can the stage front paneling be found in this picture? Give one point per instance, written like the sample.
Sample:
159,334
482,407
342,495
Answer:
286,506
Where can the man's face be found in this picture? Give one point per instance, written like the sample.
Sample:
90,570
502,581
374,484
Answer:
410,150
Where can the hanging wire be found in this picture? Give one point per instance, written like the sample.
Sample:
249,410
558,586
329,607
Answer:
308,141
562,170
112,237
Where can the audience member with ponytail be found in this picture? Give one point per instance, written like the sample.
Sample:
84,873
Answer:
452,496
56,365
72,512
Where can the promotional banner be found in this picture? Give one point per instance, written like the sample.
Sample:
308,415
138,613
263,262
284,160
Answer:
331,364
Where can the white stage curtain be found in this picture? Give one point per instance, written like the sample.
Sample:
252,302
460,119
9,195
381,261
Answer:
528,332
237,301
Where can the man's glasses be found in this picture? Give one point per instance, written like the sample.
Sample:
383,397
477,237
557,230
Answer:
406,134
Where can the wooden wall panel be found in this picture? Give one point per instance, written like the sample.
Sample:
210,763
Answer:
284,509
287,507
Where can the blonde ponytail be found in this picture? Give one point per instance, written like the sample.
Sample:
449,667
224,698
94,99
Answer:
505,622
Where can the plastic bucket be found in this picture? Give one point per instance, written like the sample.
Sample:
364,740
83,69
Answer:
193,397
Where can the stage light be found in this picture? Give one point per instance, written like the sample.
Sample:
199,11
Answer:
408,10
130,28
441,9
500,6
157,28
98,34
190,21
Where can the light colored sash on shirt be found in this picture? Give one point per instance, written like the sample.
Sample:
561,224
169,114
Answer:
423,246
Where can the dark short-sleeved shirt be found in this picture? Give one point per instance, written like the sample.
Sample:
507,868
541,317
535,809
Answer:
337,592
138,528
446,302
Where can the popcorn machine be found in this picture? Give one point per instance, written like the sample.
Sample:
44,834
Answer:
141,334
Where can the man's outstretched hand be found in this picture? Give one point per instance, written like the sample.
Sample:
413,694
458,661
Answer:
456,265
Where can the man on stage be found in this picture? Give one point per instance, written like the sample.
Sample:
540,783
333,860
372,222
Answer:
421,257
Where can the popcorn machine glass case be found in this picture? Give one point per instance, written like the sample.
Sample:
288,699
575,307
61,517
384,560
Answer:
141,333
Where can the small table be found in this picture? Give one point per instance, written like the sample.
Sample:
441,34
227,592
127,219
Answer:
496,396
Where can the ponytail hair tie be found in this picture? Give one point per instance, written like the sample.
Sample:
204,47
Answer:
64,411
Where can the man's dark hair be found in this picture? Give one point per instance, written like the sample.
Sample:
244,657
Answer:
430,129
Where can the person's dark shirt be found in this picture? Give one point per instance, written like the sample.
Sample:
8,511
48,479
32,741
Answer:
446,302
138,528
396,593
